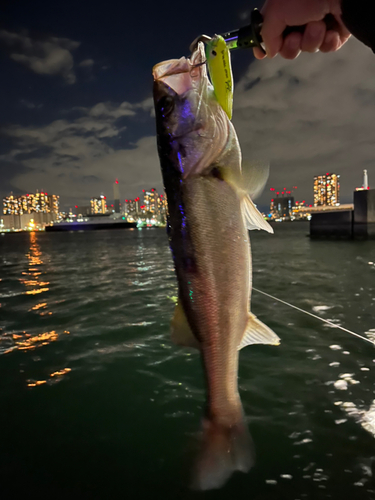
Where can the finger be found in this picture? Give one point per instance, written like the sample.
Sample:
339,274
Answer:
258,54
341,28
344,38
331,42
272,30
344,35
313,36
292,46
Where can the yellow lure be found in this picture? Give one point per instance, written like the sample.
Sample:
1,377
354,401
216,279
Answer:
220,69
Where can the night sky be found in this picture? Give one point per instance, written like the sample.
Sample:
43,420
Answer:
76,106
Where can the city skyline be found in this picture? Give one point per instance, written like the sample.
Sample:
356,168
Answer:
73,119
278,199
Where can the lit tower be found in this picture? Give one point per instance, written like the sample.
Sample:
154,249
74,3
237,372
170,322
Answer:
116,196
365,179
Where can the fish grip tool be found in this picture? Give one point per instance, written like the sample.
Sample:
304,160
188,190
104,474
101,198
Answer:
250,36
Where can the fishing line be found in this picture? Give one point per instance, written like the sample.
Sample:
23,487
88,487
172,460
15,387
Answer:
315,316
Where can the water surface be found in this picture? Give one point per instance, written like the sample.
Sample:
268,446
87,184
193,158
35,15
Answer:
96,403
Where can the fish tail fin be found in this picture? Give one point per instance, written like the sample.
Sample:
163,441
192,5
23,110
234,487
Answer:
224,450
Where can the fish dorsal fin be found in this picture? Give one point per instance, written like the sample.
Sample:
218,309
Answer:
252,217
258,333
181,333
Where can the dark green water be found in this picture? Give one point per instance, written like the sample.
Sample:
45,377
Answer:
96,403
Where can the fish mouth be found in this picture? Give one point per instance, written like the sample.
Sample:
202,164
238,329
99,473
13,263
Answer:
181,75
175,74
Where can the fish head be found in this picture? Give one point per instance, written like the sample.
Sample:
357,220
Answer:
191,125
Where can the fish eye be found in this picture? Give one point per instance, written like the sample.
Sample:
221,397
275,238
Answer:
214,53
166,105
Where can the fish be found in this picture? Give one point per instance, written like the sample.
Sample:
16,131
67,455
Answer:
209,214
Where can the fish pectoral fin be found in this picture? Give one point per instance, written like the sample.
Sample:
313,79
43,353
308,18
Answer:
181,333
254,176
258,333
253,218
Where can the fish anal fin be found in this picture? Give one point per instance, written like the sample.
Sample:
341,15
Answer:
258,333
252,217
181,333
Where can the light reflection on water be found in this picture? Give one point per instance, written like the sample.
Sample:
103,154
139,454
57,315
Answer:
34,255
54,377
25,341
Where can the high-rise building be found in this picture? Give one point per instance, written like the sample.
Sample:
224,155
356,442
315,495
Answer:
281,208
31,203
150,201
132,207
98,205
116,196
327,190
162,204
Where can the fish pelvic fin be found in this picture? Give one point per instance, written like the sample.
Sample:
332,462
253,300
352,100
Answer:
224,450
258,333
252,217
181,333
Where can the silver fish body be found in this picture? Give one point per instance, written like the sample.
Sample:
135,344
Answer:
208,232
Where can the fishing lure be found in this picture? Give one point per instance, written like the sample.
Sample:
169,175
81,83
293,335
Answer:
220,70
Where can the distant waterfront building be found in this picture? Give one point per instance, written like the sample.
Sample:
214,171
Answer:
151,201
82,210
327,190
31,203
365,185
132,208
281,208
162,205
116,196
98,205
153,207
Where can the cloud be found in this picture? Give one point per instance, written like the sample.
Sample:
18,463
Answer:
147,105
48,56
30,105
310,116
87,63
103,109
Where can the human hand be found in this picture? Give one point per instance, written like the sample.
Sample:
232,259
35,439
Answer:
278,14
